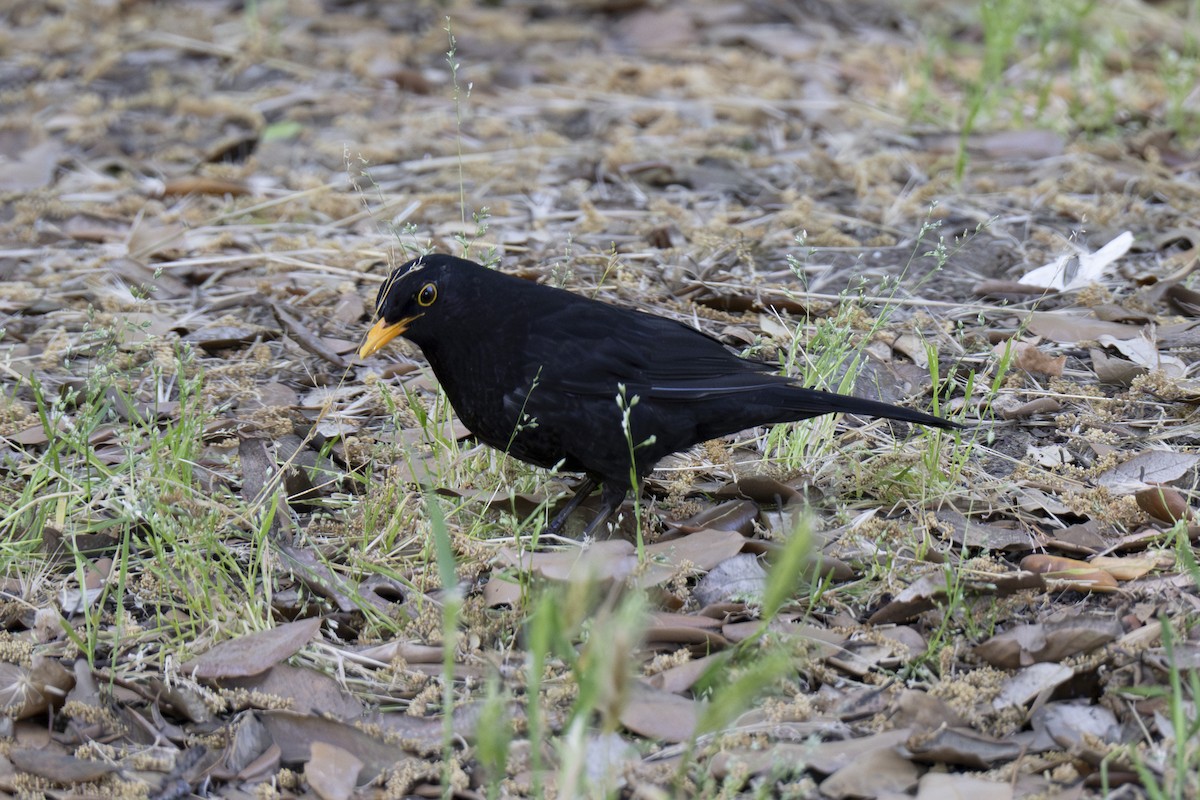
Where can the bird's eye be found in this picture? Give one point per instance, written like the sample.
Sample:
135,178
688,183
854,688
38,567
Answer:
427,295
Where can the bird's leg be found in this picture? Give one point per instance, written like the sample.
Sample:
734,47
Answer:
560,519
610,500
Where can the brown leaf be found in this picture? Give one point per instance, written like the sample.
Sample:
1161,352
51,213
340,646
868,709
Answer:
36,436
962,747
33,170
295,735
1185,299
1068,573
1078,728
1028,357
614,559
670,636
875,772
314,571
1018,410
683,677
1003,288
92,228
183,698
1144,350
254,653
410,652
1111,369
500,592
249,753
258,467
199,184
762,489
705,548
916,598
1085,538
958,786
1147,467
1068,328
825,757
59,767
660,715
332,772
305,690
822,642
1113,312
735,515
1004,145
921,711
26,691
348,310
1032,684
739,577
989,536
1164,504
1023,645
1128,568
223,337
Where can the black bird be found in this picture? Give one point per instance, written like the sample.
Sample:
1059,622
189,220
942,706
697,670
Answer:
556,379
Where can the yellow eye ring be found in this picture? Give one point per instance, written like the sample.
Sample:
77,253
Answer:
427,295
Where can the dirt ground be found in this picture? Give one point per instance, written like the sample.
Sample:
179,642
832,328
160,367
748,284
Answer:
226,568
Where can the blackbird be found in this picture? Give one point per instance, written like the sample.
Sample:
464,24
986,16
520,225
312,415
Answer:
556,379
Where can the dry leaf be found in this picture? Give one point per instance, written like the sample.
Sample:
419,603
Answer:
1147,470
33,170
1028,357
1143,351
660,715
295,735
739,578
1110,369
875,772
1032,683
963,747
704,549
1056,640
305,690
199,184
735,515
1071,328
683,677
1164,504
1067,573
26,691
1008,406
916,598
1077,727
1079,269
59,767
254,653
958,786
1128,568
824,757
332,772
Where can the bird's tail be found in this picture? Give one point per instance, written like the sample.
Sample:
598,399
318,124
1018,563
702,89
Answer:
807,403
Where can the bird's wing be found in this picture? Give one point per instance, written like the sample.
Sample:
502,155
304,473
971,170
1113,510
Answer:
652,356
668,362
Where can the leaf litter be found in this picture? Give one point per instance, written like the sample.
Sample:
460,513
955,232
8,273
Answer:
217,564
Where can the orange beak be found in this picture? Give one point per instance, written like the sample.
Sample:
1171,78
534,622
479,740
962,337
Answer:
381,334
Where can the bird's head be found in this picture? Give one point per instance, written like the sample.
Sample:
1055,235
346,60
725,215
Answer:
411,292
